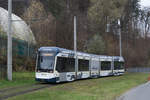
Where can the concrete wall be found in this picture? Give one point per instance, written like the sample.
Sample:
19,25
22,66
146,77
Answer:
139,69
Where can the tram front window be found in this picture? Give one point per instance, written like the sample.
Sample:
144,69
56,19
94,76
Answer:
45,62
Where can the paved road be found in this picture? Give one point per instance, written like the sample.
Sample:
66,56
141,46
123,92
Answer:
141,92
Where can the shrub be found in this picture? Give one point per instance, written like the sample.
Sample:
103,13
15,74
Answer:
96,45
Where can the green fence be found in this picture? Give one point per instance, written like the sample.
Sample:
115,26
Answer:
3,71
20,49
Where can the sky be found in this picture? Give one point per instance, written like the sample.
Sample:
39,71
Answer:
145,3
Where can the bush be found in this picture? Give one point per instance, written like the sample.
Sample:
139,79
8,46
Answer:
96,45
23,64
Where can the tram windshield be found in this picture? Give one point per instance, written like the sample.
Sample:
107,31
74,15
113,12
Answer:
45,61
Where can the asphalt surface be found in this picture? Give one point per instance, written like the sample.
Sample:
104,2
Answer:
141,92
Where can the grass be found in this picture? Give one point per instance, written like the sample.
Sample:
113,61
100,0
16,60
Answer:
19,79
107,88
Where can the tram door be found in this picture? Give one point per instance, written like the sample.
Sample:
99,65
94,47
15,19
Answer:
95,64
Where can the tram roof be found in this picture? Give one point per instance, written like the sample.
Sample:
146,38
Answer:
62,50
118,58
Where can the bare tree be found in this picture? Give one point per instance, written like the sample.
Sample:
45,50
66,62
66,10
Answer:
41,23
145,20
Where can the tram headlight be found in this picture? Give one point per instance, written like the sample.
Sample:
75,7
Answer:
50,71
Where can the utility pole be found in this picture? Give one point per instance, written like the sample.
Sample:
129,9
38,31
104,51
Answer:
108,28
120,40
9,42
75,45
29,41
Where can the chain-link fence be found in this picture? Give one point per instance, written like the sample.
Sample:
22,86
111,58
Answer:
21,51
3,71
20,47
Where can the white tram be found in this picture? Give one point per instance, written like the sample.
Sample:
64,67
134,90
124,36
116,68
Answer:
56,65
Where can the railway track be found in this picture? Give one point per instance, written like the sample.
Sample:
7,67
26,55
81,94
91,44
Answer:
19,90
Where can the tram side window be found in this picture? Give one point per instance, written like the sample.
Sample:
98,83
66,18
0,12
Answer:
118,65
105,65
83,65
65,64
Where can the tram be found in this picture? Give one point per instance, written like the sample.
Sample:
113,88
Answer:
56,65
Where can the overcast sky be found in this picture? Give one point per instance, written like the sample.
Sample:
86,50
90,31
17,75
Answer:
145,3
